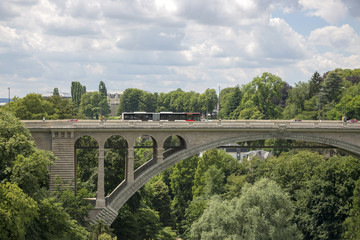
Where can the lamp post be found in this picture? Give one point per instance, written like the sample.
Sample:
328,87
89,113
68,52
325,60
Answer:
207,103
219,117
9,98
345,105
100,103
319,102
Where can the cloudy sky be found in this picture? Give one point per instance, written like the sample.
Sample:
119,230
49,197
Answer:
162,45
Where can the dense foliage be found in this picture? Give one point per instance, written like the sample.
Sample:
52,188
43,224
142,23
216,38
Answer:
177,101
27,209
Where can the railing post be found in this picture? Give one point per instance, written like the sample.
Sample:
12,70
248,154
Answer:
100,194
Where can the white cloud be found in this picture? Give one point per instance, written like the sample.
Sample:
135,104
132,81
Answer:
331,10
328,62
337,38
160,45
96,68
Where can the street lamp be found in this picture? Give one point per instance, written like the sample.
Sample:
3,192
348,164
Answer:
319,102
207,103
219,116
345,105
100,103
9,99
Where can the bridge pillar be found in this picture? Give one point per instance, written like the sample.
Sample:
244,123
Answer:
100,194
129,171
159,154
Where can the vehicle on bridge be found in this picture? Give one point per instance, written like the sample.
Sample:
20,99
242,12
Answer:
161,116
352,120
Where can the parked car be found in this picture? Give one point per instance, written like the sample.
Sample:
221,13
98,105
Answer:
352,120
72,120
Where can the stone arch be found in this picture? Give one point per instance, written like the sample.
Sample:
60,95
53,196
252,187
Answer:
118,198
93,135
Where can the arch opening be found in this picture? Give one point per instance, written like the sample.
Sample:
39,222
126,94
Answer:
86,164
173,144
144,154
114,162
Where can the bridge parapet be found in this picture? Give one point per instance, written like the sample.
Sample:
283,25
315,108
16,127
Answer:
116,124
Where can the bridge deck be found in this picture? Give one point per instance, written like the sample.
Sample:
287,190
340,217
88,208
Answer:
238,124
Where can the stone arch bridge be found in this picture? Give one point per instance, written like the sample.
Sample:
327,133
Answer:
60,136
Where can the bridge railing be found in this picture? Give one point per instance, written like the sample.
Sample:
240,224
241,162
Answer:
115,124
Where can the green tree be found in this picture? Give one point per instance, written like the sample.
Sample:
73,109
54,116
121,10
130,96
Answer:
31,172
352,223
130,100
33,106
161,202
148,102
320,188
56,92
297,97
263,211
64,108
73,203
181,183
14,140
220,160
263,96
102,89
17,210
77,90
90,104
208,101
214,182
22,164
325,202
332,87
315,84
104,103
230,100
54,223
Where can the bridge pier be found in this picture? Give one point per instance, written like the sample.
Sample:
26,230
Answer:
159,154
100,194
129,165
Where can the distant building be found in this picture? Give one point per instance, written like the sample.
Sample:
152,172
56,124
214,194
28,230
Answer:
243,152
62,95
256,153
114,98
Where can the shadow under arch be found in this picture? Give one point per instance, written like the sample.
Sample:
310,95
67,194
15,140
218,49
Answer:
117,199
